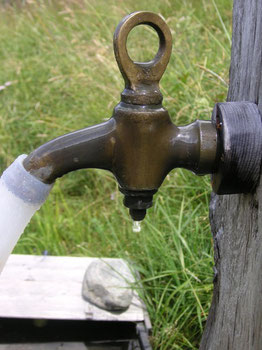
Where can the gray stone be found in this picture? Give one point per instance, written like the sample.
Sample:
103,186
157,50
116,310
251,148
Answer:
108,284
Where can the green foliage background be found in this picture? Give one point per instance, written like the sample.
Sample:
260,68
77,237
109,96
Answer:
59,59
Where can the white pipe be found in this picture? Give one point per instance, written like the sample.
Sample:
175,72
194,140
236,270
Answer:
21,195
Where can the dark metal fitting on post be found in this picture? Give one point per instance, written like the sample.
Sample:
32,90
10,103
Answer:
240,132
140,145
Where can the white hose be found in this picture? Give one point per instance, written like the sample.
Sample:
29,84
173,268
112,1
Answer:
21,195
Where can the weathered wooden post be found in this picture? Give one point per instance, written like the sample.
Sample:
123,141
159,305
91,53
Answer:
235,318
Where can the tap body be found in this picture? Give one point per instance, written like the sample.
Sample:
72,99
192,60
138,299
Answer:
139,144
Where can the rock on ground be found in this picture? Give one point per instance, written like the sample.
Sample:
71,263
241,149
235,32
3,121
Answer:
108,284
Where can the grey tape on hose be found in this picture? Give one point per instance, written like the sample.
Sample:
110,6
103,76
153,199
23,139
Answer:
24,185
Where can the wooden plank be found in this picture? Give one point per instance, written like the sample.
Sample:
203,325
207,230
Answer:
235,318
45,346
57,346
48,287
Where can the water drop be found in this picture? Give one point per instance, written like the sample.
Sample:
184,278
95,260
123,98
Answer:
136,226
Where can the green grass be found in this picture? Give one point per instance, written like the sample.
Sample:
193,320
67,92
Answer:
59,57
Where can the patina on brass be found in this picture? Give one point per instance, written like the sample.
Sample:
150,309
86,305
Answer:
139,144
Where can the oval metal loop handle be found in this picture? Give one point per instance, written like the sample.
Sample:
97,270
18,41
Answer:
142,72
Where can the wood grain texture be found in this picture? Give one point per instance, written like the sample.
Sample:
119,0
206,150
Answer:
48,287
50,346
235,318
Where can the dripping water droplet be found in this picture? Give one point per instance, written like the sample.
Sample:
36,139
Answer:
136,226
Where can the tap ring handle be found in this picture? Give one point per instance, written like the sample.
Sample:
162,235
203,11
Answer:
137,73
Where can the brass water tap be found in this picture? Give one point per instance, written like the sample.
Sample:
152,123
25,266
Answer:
139,144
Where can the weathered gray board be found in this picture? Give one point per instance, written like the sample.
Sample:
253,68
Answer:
235,318
56,346
53,346
48,287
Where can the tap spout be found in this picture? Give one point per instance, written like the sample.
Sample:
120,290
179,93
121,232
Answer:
91,147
